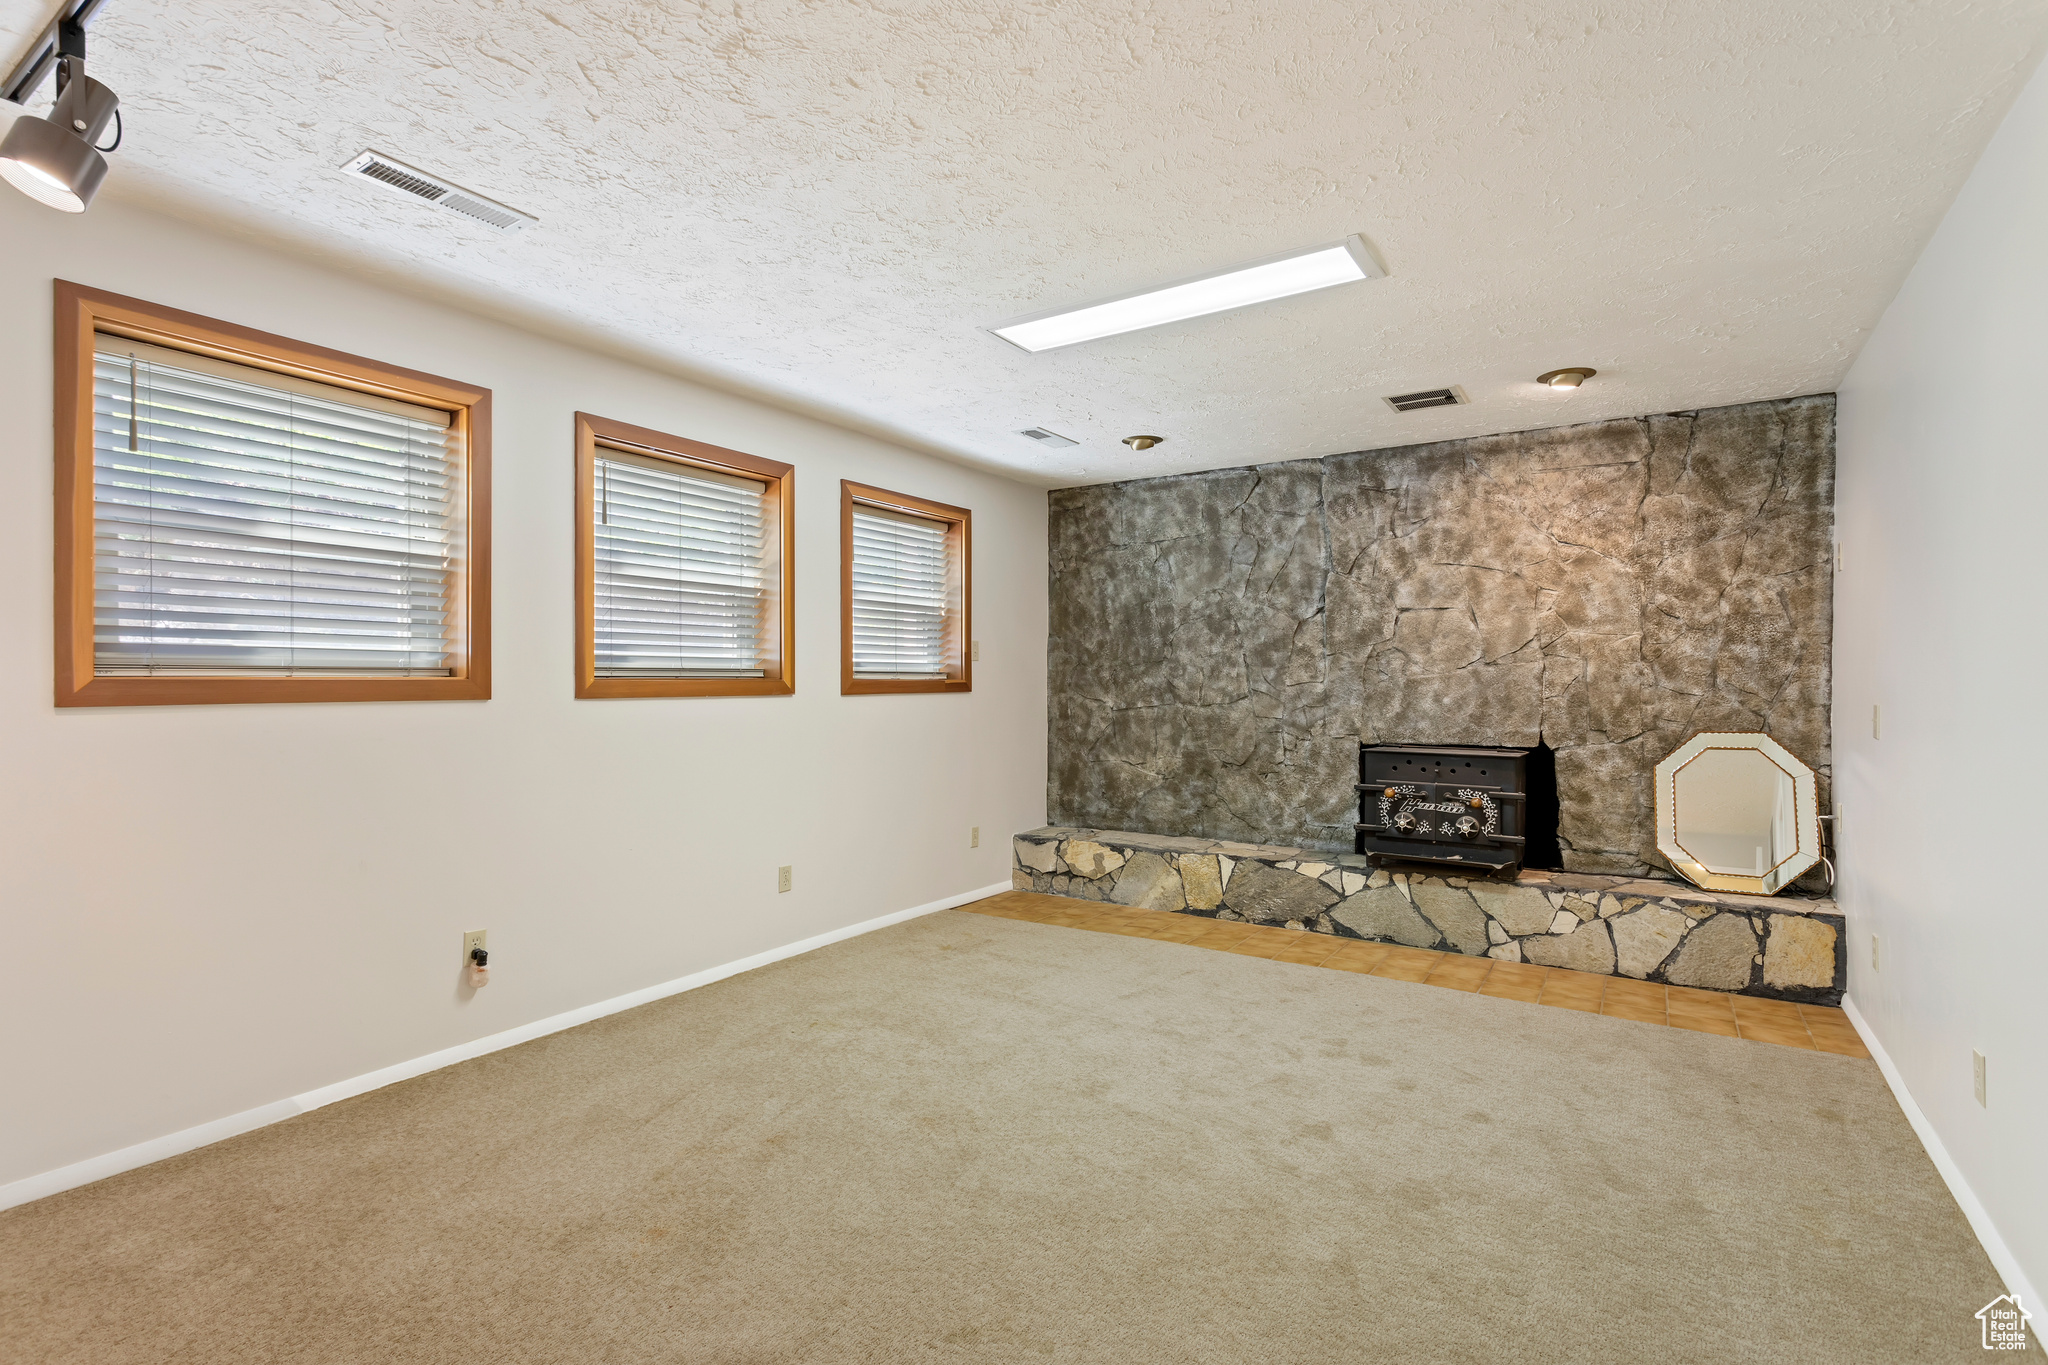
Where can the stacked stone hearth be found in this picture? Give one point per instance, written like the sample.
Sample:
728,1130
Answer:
1786,948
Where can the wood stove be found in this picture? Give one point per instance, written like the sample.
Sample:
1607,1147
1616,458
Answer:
1455,807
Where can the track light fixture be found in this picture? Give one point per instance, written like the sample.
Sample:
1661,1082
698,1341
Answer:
56,160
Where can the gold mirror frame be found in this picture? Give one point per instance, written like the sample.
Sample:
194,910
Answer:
1805,815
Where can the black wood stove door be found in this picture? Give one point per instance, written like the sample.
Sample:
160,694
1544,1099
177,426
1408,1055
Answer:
1458,807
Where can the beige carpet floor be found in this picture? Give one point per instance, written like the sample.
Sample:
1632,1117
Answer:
972,1139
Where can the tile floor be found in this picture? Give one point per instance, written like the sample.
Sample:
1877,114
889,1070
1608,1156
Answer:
1814,1027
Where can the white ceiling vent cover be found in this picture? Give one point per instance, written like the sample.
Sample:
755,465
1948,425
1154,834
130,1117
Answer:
412,181
1427,398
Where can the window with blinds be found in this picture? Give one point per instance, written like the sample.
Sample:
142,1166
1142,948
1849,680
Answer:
253,524
683,579
906,605
679,571
900,595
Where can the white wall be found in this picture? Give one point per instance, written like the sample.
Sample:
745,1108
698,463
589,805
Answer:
208,909
1942,510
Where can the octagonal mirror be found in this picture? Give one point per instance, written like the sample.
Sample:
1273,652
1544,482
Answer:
1736,812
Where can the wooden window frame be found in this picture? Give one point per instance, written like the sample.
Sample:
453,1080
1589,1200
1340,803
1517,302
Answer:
959,590
779,671
81,314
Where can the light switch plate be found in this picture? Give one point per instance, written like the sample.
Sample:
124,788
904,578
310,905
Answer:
974,652
974,836
1977,1076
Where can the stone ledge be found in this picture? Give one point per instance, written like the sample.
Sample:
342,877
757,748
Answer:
1783,948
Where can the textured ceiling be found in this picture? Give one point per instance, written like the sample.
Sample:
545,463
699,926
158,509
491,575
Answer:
825,202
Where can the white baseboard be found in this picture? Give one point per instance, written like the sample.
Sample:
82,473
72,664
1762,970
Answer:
2002,1259
172,1144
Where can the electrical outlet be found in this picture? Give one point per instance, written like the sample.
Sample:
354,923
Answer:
1873,722
974,837
1838,556
782,875
974,651
1977,1077
473,939
1873,952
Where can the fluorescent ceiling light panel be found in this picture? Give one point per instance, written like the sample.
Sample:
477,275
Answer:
1275,277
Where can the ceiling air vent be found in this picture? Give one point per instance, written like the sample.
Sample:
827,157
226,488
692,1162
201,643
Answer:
411,180
1428,398
1046,438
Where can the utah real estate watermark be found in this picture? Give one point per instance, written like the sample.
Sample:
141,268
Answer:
2005,1324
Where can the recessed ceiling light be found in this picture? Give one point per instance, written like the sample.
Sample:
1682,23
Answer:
1274,277
1142,442
1567,379
1047,438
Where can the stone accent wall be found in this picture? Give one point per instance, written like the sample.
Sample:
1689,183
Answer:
1222,642
1785,947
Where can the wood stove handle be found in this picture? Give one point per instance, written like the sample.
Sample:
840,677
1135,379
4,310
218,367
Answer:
1383,789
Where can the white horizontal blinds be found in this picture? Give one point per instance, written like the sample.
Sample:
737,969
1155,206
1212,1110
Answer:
900,595
254,524
680,573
